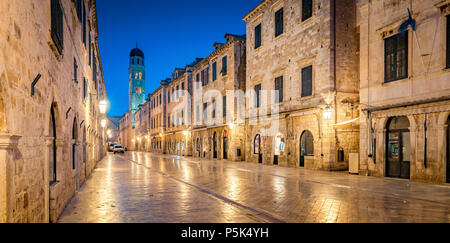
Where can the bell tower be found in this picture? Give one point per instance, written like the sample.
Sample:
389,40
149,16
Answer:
136,80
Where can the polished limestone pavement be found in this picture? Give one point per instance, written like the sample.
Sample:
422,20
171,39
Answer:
151,188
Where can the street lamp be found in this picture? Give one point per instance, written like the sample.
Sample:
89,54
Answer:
103,123
327,113
231,126
103,105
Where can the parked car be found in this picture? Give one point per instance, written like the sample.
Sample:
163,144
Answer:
111,147
118,149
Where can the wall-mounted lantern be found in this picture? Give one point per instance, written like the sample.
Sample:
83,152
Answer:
327,113
103,105
103,123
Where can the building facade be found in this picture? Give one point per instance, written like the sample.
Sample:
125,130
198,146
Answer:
218,130
157,123
405,89
302,82
178,109
322,84
141,129
51,83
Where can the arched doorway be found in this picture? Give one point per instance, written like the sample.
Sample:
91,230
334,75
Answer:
257,148
278,147
225,144
215,145
306,146
448,150
198,147
84,152
75,151
398,148
52,155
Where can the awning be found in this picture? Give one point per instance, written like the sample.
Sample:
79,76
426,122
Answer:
352,124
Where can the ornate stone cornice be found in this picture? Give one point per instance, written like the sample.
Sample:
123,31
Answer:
8,141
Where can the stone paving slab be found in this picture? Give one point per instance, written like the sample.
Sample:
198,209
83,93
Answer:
144,187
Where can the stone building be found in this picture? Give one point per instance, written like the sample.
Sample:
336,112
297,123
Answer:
51,82
302,83
157,123
405,89
219,82
141,131
126,131
178,109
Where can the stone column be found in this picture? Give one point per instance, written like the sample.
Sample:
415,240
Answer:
8,143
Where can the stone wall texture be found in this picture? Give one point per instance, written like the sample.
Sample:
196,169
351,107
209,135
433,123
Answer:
26,50
328,42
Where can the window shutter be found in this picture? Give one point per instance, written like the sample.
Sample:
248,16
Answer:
214,71
258,96
57,25
84,24
279,22
224,106
75,70
279,88
90,50
396,57
307,9
258,36
224,66
307,81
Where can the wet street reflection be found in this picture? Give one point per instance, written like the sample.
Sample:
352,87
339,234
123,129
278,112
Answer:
144,187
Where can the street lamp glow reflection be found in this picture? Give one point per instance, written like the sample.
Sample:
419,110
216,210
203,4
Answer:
103,105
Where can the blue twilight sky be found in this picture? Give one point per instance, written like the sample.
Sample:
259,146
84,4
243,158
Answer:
171,34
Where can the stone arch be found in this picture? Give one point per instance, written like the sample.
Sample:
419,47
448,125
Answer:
307,146
74,143
399,163
84,144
